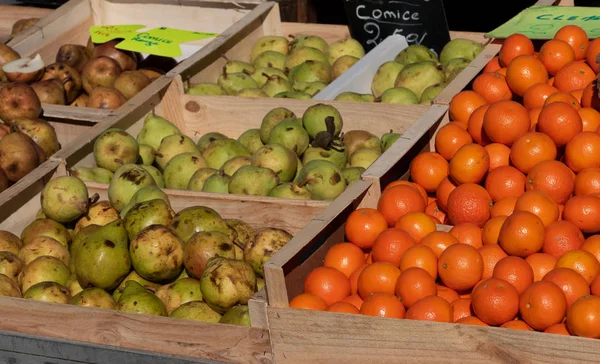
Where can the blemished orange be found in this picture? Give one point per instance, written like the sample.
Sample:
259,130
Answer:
553,178
396,202
430,308
343,307
308,301
522,234
590,92
328,283
536,95
573,285
582,262
470,203
493,65
420,256
504,207
414,284
574,76
541,263
560,122
515,271
505,181
591,53
469,234
475,126
471,320
428,169
555,54
383,304
525,71
438,241
450,138
590,118
491,255
505,121
464,103
460,267
355,300
543,304
364,225
447,294
492,86
390,245
560,237
595,286
345,257
563,97
491,229
560,329
461,308
583,151
531,149
515,45
377,277
416,224
576,37
495,301
592,245
583,318
583,211
517,325
469,164
443,192
408,183
499,155
534,114
434,210
539,204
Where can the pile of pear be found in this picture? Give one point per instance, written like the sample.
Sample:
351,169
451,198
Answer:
417,75
93,75
193,264
294,157
278,67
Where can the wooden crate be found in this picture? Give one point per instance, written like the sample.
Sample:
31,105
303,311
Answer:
9,14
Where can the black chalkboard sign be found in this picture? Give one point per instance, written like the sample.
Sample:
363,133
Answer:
420,21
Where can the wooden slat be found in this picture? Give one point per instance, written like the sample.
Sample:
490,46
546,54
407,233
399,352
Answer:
9,14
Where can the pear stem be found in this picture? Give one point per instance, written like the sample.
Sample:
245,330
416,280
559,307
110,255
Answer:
119,162
94,199
158,154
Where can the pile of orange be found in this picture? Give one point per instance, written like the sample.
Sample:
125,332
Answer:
516,173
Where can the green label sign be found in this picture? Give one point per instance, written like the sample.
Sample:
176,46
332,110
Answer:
542,22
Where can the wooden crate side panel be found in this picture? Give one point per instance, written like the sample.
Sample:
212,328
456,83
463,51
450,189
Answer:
68,132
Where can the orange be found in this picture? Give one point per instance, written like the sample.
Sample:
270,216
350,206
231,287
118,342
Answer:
408,183
536,95
377,277
505,121
577,94
563,97
491,255
540,204
308,301
328,283
560,122
460,267
583,211
469,203
471,320
438,241
573,285
475,125
561,237
354,276
525,71
390,245
365,224
583,318
491,229
468,233
582,262
383,304
551,81
592,245
396,202
534,114
450,138
515,271
469,164
416,224
574,76
448,294
504,206
583,151
461,308
434,210
541,263
343,307
420,256
499,155
530,149
522,234
587,181
560,329
517,325
430,308
555,54
464,103
443,192
505,181
590,92
553,178
591,54
345,257
492,86
354,299
428,169
493,65
515,45
414,284
595,286
590,118
495,301
576,38
543,304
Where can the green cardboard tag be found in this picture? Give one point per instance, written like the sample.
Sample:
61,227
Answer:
542,22
104,33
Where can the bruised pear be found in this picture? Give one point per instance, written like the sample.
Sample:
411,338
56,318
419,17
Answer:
173,145
250,139
234,164
92,174
155,129
253,180
100,213
146,154
144,194
202,247
208,138
278,158
136,299
19,101
342,64
291,135
199,177
262,246
44,246
11,265
311,71
130,83
316,117
73,55
273,118
276,84
180,169
157,253
9,287
217,183
9,242
126,181
226,283
344,47
65,199
355,139
41,132
113,148
18,156
94,297
243,232
306,40
303,54
69,76
26,69
194,219
44,269
50,91
352,174
105,98
100,71
179,292
322,179
235,82
133,276
126,60
262,74
237,315
310,88
196,311
48,291
233,66
290,190
220,151
44,227
269,59
145,214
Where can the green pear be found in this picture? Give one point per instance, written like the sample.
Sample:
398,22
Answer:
206,89
92,174
345,47
100,213
9,242
234,164
11,264
146,154
460,48
388,139
352,174
144,194
226,283
243,233
342,64
306,40
147,213
251,92
454,66
353,96
173,145
126,181
199,178
277,158
291,135
400,96
114,147
269,59
293,95
38,227
322,179
50,292
40,246
133,276
155,129
157,253
196,311
250,139
232,66
275,85
253,180
290,190
136,299
234,82
316,153
263,245
237,315
311,88
179,292
355,139
415,53
418,76
220,151
181,168
271,119
311,71
269,43
385,77
65,199
155,173
217,183
431,92
303,54
94,297
262,74
194,219
44,269
315,116
208,138
364,157
202,247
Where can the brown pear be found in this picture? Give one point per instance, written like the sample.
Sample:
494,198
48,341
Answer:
126,59
80,101
106,98
41,132
19,101
50,91
69,76
74,55
22,24
100,71
90,45
28,69
7,54
130,83
4,129
18,156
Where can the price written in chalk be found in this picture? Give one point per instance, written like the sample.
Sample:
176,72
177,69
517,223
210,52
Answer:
542,22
